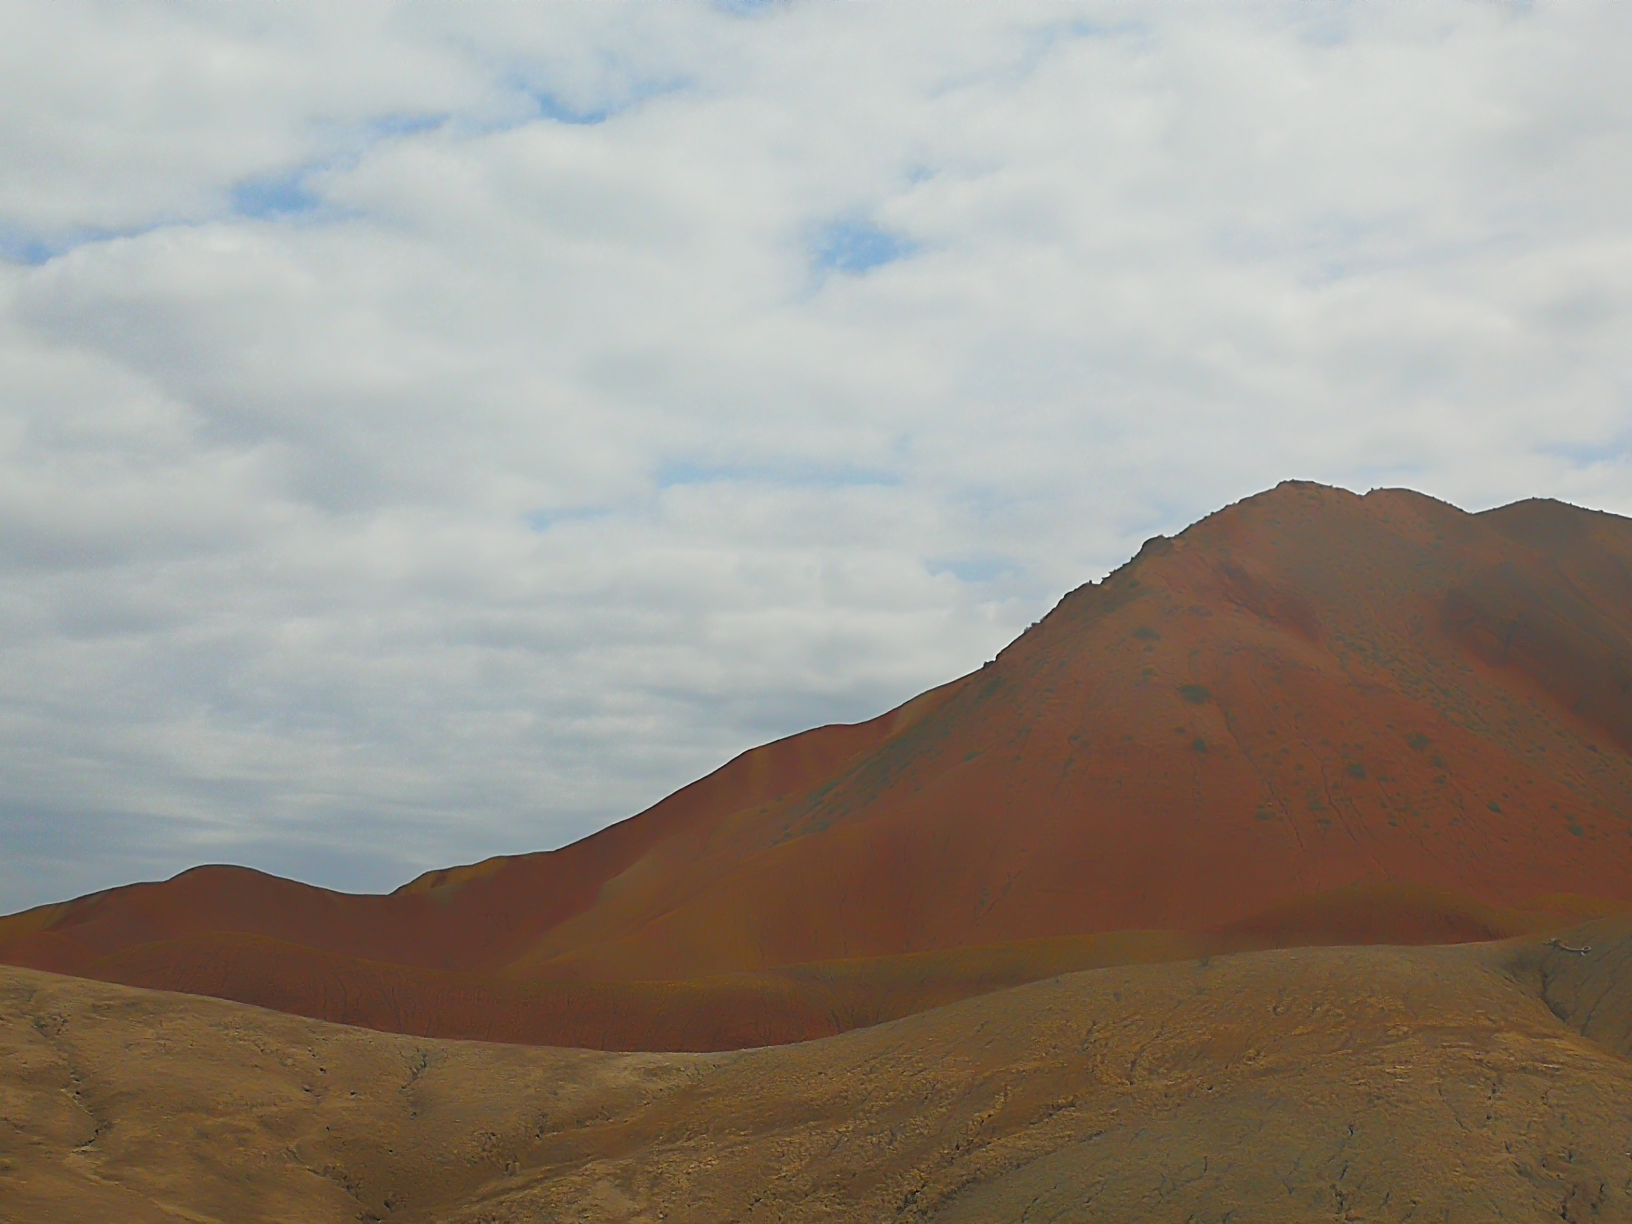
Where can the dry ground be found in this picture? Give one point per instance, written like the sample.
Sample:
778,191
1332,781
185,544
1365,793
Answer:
1480,1082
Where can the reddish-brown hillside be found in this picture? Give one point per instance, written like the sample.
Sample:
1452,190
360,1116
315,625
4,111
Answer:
471,918
1310,717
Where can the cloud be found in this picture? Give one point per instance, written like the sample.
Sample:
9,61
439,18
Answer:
432,431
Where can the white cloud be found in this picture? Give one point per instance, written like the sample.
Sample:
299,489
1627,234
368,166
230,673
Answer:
434,430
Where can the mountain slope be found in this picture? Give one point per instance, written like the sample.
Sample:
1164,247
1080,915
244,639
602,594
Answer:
469,918
1307,691
1307,695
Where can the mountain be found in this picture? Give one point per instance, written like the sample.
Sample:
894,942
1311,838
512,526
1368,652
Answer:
1312,717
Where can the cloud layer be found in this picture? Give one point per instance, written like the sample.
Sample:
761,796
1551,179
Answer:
429,431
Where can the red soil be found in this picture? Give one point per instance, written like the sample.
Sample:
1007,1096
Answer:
471,918
766,1007
1306,693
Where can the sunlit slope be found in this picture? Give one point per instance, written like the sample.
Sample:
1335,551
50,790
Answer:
1312,717
1306,691
1469,1084
465,918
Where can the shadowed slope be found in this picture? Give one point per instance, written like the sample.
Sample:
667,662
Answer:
770,1006
1306,697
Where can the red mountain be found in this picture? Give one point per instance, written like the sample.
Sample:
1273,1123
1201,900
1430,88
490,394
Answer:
1311,717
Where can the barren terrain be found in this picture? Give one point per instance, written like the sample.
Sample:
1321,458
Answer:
1284,874
1479,1082
1310,718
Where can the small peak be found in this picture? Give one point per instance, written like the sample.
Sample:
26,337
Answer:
1412,502
1401,493
1548,507
1303,492
1288,499
1546,522
1308,489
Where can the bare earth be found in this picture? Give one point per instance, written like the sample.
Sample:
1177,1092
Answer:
1311,718
1479,1082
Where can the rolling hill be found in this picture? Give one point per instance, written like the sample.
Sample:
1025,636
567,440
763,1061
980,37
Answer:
1481,1082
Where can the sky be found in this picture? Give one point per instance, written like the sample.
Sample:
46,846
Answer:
436,430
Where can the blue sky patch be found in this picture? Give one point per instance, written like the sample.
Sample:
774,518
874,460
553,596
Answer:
32,250
406,124
748,8
554,109
275,196
543,520
858,246
27,249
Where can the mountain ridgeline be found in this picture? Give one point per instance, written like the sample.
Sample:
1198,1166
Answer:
1310,718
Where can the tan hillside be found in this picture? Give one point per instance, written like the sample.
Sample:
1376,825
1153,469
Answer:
1477,1083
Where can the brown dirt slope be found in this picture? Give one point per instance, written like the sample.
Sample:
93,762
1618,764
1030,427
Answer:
1307,691
470,918
764,1007
1478,1082
1306,694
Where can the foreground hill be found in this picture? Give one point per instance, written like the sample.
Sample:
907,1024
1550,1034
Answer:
1478,1083
1310,718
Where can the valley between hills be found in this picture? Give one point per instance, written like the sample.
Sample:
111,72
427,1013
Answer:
1286,873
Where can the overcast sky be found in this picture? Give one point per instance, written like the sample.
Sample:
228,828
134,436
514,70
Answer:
436,430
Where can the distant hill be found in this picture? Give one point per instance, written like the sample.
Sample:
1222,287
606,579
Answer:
1311,718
